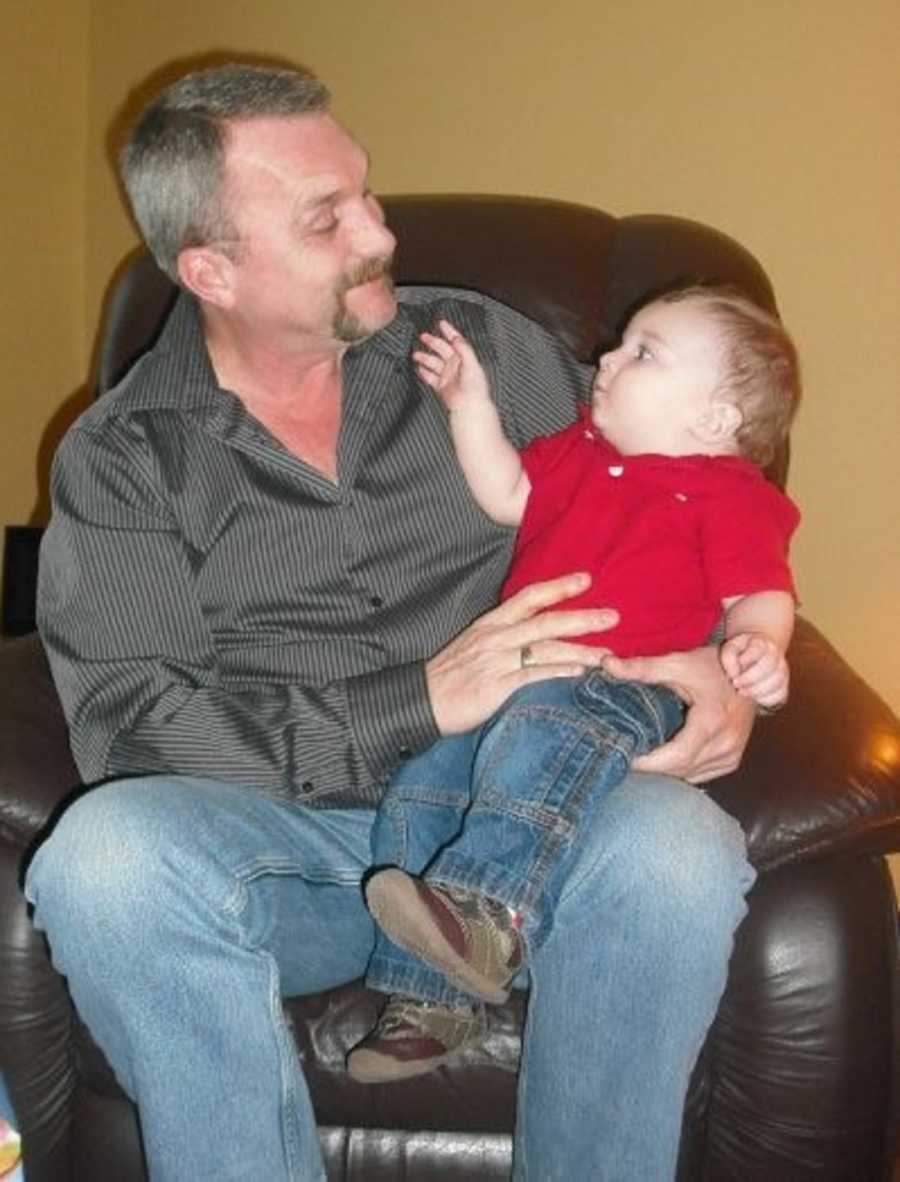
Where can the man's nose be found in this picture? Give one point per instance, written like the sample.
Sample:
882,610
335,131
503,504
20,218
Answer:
373,238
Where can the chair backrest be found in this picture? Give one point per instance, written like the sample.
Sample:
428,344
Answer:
577,270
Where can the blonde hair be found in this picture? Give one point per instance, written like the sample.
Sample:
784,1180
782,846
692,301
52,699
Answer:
762,371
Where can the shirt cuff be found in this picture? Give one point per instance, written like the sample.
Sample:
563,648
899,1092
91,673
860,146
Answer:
391,715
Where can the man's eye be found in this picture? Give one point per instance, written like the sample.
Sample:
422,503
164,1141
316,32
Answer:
324,228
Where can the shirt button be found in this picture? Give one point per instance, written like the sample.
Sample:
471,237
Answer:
404,753
376,601
615,469
307,786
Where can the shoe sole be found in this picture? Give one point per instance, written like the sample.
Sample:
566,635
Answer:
396,906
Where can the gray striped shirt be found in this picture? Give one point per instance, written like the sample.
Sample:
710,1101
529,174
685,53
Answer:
211,605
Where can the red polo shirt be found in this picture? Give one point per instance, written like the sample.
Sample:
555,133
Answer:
665,538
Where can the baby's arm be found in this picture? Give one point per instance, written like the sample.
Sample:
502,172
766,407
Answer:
758,628
491,464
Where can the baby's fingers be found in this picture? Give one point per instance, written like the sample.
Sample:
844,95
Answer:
767,687
435,344
730,660
737,654
429,361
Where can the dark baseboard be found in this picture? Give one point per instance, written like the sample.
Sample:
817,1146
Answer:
20,563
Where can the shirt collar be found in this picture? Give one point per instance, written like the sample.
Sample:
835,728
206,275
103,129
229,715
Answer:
180,372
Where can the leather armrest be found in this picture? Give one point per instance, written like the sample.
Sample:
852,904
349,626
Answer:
822,776
35,1028
795,1081
36,773
36,768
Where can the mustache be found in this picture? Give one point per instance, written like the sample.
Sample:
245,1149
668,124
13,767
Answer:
377,268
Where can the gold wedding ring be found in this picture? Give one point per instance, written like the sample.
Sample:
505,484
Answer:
527,657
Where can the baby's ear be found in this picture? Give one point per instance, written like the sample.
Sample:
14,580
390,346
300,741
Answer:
719,423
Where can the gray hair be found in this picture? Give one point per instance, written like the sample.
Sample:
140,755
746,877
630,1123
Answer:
173,162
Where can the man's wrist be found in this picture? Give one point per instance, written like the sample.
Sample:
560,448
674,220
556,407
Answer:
391,715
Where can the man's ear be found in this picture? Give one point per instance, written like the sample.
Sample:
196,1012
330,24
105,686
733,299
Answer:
208,274
719,423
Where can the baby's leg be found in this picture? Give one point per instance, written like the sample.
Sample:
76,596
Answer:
423,806
420,812
426,1020
543,767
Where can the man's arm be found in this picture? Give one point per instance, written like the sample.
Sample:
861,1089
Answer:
722,687
718,723
474,675
138,671
139,676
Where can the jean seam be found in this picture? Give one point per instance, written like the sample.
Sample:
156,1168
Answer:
289,1065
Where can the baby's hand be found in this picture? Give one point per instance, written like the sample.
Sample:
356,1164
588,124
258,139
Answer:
756,667
450,367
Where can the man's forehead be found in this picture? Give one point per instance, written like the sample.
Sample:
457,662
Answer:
312,150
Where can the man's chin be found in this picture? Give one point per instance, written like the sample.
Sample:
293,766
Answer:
365,310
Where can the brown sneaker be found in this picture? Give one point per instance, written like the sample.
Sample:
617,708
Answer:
469,938
413,1037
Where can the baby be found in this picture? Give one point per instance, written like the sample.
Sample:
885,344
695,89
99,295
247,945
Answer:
656,491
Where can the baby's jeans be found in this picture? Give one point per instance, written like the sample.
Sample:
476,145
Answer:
504,810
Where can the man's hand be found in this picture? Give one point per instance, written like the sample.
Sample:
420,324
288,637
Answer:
718,722
757,668
479,669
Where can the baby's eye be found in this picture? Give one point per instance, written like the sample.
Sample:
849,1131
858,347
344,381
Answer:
641,353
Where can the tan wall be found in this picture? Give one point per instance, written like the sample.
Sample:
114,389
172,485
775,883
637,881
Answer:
778,123
43,115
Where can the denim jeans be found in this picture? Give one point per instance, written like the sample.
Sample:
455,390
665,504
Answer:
501,811
182,910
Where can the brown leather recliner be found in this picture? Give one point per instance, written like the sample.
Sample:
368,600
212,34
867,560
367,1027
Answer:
796,1080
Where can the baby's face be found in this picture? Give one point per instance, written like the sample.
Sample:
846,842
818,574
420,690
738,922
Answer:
652,393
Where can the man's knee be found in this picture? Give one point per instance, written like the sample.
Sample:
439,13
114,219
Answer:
666,841
102,854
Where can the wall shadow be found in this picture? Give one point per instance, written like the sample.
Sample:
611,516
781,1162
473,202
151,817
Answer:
134,102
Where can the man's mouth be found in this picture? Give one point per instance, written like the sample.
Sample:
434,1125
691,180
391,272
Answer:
376,270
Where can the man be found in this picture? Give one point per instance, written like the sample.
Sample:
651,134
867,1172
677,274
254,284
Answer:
265,584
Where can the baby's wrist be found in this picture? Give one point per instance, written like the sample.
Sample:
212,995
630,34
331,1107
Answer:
471,404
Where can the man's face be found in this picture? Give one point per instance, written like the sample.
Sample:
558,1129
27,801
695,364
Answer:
651,393
312,261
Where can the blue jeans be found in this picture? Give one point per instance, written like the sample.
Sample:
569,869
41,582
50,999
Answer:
501,811
182,910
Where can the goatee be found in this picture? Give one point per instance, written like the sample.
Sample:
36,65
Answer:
347,325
